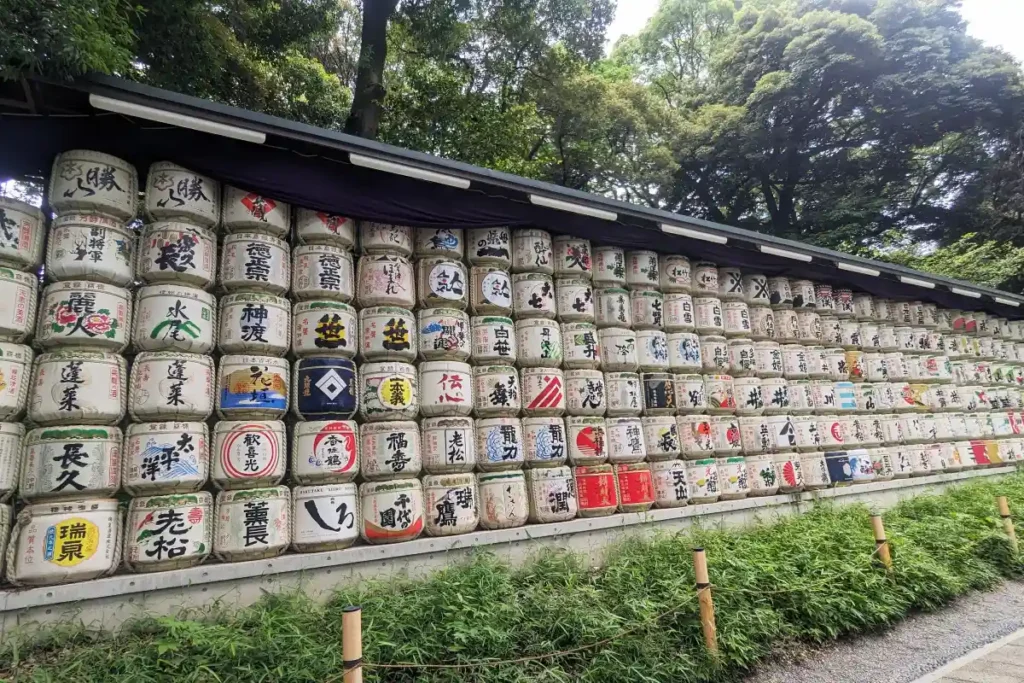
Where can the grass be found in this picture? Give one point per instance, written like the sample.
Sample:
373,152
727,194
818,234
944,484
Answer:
809,578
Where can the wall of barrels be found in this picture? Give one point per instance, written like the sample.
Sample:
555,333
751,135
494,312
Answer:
238,378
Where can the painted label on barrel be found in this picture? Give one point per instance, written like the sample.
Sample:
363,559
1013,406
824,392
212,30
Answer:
325,387
256,386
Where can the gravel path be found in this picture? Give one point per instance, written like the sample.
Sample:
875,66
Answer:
917,646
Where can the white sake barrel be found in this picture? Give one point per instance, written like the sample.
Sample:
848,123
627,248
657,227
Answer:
320,227
780,292
676,274
690,396
250,322
736,317
388,391
504,500
387,333
623,393
742,361
776,395
89,314
543,392
496,391
444,334
440,242
575,301
803,294
748,395
679,312
626,439
648,307
174,318
824,300
814,471
762,477
670,486
248,453
385,280
794,361
696,435
391,511
78,387
755,289
489,246
552,495
532,252
253,262
755,435
533,296
165,457
808,326
451,504
618,349
325,452
494,340
253,524
580,346
167,532
490,291
863,306
390,450
918,318
572,257
870,338
684,352
705,279
21,234
11,437
322,328
783,431
167,385
801,396
725,430
64,542
714,351
613,308
244,210
661,437
177,253
652,350
730,284
446,389
320,271
70,463
790,470
720,394
324,517
610,266
19,293
702,478
93,182
252,387
817,365
546,444
499,444
585,392
382,238
642,269
448,445
588,440
15,379
539,343
881,309
843,302
708,315
762,323
787,325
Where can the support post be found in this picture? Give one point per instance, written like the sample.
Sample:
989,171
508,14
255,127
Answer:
881,543
707,606
352,644
1004,512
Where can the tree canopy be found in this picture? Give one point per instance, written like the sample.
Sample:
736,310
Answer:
877,127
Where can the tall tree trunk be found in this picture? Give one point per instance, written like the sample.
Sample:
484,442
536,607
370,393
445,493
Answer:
364,119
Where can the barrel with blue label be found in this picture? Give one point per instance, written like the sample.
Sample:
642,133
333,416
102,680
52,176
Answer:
840,473
659,393
324,388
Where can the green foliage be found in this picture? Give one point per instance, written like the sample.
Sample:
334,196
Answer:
809,577
986,262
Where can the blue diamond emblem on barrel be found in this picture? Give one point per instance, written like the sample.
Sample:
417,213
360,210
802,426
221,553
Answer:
324,388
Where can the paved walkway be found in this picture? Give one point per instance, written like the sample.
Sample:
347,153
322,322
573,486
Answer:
998,662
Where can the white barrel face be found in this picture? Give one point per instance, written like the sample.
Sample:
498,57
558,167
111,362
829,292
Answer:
171,386
21,234
324,517
78,387
252,524
174,318
259,323
177,253
320,227
93,182
245,210
322,272
440,242
165,457
324,328
176,193
248,453
382,238
253,262
89,314
169,532
18,302
90,247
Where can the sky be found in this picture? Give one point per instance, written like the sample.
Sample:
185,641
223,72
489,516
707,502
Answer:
996,22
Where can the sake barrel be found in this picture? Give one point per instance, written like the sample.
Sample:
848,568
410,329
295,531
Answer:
823,395
174,318
248,454
448,445
775,391
15,379
167,532
659,397
324,388
78,387
21,234
676,274
18,299
635,486
254,262
671,489
755,289
64,542
385,280
626,439
533,296
490,291
725,430
444,334
496,391
539,343
323,328
610,266
881,462
585,392
444,282
684,352
391,511
840,473
178,254
863,306
803,294
730,284
572,257
543,392
597,490
814,470
390,450
780,292
11,436
679,315
388,391
690,395
494,340
748,395
320,271
552,493
736,316
166,385
742,359
652,350
843,302
696,436
320,227
588,440
446,388
245,210
808,326
613,307
504,500
255,323
252,524
324,517
618,349
881,309
824,301
661,437
440,242
756,437
165,457
917,315
705,279
787,325
93,182
325,452
70,463
648,308
89,314
546,444
642,269
574,299
887,339
801,396
831,331
732,477
794,361
624,394
387,333
532,252
383,238
451,504
708,315
580,346
790,469
499,444
714,351
702,477
252,387
489,246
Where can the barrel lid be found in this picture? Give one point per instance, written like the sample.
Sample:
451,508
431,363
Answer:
703,462
583,420
90,220
28,279
181,226
391,426
430,312
449,480
303,306
138,428
573,282
384,310
537,322
501,476
71,507
368,488
651,293
74,433
441,422
16,428
490,320
548,473
256,237
594,469
519,277
179,291
445,365
349,489
387,366
232,359
254,297
80,354
158,356
171,500
24,207
224,426
253,494
321,249
68,285
572,374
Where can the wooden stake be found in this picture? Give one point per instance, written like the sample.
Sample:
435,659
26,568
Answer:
707,606
881,542
352,643
1004,512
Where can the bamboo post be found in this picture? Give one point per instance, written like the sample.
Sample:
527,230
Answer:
707,606
1004,512
881,542
352,644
